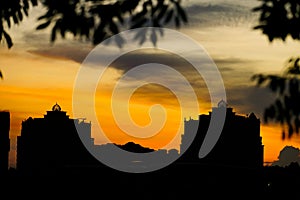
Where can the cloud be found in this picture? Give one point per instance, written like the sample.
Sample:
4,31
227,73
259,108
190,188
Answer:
231,61
220,13
70,51
242,94
236,73
179,69
207,14
245,99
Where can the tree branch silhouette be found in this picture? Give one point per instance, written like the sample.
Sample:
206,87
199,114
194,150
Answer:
94,20
97,20
280,19
12,12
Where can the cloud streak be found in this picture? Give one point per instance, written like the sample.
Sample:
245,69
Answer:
220,13
67,51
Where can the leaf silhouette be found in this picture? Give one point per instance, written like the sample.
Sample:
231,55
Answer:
43,26
153,37
8,39
181,13
286,107
169,16
82,18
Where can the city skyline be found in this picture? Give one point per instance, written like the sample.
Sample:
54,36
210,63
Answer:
37,73
56,107
55,143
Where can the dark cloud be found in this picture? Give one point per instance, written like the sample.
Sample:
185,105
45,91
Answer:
155,93
242,94
220,13
140,57
235,71
69,51
232,61
144,56
209,8
247,99
217,13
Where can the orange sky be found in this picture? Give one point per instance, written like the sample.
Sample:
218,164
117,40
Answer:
37,74
32,87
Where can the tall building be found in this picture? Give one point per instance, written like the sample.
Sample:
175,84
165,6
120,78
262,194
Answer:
51,145
4,141
240,143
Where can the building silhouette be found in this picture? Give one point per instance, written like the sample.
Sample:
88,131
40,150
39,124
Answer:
240,143
51,145
4,141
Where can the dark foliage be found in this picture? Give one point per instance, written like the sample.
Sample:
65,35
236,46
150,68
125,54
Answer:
286,107
94,20
97,20
12,12
280,19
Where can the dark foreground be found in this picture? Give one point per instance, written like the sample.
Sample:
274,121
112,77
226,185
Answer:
178,181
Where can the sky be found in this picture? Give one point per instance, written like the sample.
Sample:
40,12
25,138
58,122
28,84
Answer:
37,74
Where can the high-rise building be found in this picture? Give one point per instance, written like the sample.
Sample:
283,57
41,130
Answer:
4,141
239,144
51,145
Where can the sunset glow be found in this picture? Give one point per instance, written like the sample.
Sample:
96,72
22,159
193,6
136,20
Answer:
38,74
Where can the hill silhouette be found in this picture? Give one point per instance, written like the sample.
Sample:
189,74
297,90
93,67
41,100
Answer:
135,148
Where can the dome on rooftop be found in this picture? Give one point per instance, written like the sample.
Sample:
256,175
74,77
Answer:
56,107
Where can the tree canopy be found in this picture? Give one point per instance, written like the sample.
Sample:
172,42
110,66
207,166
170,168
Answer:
94,20
12,11
280,19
